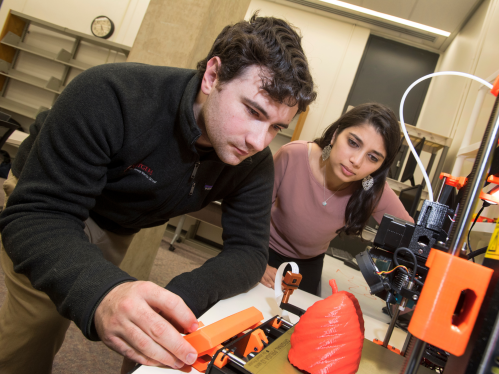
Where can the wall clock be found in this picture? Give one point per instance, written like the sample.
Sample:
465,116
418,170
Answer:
102,27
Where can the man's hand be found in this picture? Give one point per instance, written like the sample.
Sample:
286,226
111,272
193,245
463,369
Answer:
140,320
268,278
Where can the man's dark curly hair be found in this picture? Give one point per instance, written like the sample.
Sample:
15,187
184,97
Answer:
275,46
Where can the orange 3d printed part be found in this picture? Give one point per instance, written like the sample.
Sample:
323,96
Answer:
449,303
206,341
329,336
290,283
458,182
495,88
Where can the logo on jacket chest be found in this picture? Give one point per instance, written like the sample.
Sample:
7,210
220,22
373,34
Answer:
144,170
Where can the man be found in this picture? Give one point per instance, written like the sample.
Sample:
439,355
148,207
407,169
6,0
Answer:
128,146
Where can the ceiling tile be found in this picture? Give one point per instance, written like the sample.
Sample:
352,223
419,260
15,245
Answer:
446,15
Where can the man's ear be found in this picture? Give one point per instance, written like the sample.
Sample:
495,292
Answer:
210,77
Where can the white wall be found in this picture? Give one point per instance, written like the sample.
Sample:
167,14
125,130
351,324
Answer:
333,49
449,101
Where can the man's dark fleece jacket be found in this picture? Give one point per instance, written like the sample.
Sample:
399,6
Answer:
119,146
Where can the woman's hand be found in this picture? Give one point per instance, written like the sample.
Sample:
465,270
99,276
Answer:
268,278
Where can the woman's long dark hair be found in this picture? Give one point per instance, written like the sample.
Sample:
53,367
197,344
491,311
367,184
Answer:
363,203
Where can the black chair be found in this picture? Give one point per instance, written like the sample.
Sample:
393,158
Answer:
7,127
410,199
6,130
410,166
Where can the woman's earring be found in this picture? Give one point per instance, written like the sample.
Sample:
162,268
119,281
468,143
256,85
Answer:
326,152
367,183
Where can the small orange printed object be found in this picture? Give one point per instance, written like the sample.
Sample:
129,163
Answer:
329,336
206,341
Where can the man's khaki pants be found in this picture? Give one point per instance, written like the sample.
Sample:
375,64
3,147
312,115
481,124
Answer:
31,330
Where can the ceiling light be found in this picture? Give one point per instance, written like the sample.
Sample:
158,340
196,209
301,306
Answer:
387,17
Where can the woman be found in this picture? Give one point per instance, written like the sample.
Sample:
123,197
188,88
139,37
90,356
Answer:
331,186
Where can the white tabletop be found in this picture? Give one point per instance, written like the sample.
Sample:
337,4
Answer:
351,280
16,138
263,299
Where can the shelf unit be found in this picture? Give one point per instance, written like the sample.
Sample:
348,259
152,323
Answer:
434,143
398,186
285,134
469,151
290,134
13,42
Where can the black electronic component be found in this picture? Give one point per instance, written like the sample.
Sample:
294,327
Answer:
369,270
394,268
394,233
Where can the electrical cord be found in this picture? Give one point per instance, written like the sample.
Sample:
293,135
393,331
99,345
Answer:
411,274
477,252
485,204
414,260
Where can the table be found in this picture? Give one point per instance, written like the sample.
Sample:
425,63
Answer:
16,138
351,280
261,297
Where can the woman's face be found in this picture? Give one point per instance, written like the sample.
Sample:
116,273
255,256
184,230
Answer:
357,152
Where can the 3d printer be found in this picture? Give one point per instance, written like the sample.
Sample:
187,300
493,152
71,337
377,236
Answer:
427,263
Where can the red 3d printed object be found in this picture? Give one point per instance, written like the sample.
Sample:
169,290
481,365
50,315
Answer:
329,336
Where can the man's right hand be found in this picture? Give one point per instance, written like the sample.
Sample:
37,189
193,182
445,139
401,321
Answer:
139,320
268,278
